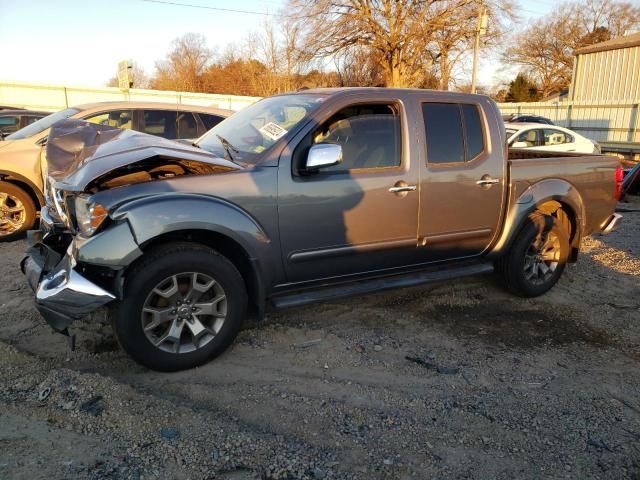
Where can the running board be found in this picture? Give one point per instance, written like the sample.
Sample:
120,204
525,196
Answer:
378,284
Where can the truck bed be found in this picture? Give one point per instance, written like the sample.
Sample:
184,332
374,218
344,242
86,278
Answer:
592,175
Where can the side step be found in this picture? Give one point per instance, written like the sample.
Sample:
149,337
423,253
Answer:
360,287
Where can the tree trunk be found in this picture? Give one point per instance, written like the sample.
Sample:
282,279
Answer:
395,72
445,73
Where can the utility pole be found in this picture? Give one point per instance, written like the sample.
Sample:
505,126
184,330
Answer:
481,29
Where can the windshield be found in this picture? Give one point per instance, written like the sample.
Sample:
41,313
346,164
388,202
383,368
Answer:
42,124
244,136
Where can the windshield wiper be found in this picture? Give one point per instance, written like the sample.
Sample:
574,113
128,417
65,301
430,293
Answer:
227,146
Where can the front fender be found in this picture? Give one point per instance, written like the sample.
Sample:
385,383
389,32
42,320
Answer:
16,177
553,189
151,217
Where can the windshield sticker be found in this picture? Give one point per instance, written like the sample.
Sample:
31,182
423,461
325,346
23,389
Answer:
273,131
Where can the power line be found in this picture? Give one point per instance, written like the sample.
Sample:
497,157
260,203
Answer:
218,9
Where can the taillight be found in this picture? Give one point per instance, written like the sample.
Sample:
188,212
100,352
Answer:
619,178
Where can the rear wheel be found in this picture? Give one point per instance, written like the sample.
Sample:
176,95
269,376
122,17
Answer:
17,212
537,257
184,304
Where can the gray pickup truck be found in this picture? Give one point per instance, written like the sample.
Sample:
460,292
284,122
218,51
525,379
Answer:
300,198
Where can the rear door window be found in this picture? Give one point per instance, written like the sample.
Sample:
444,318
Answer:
210,121
473,131
187,125
454,132
162,123
443,127
556,137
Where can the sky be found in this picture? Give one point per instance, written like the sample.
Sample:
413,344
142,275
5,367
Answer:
80,42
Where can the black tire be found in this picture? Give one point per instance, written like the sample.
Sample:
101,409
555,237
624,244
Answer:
515,266
164,262
29,211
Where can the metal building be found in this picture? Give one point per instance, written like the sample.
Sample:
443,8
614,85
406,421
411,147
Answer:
608,71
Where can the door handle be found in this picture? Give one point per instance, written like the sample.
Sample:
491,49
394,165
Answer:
403,188
487,180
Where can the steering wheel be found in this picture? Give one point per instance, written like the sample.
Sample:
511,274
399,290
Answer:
256,139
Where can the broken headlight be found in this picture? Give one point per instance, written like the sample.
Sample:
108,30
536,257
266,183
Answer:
89,215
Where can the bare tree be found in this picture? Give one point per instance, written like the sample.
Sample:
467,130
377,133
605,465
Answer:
546,48
398,34
451,44
615,16
277,47
185,64
358,67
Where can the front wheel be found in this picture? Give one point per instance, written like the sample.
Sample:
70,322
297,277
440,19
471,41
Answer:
537,257
17,212
184,304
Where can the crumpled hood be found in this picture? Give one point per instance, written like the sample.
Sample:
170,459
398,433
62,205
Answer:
81,154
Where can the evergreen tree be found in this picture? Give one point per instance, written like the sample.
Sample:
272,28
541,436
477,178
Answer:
522,89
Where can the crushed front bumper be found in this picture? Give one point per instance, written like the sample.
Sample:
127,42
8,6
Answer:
62,293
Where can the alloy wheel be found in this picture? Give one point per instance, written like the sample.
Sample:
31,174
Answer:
13,214
542,258
184,312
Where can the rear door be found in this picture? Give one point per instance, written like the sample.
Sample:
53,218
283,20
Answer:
462,179
161,123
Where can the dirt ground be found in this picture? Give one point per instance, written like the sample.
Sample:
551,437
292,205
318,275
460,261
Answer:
499,387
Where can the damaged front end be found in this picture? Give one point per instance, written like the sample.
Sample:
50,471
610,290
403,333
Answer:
77,258
63,294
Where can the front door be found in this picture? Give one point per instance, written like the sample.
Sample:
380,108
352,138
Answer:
358,216
462,180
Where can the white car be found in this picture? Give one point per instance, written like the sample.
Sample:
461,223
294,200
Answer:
538,136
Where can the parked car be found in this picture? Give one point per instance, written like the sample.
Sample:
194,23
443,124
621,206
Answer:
13,120
300,198
526,118
548,137
21,163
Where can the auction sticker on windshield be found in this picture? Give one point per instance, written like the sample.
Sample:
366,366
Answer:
273,131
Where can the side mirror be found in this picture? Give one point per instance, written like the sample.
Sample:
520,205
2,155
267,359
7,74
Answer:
323,155
520,145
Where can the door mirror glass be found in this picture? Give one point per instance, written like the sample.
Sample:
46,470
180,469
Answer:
519,145
323,155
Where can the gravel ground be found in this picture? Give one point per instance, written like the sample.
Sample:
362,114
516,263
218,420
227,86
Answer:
494,387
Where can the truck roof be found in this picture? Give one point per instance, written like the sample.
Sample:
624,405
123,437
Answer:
337,91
